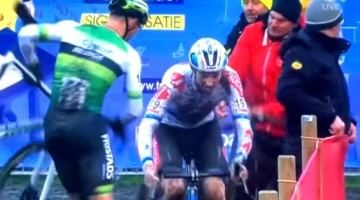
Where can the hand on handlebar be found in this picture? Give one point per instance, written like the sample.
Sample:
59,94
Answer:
35,69
221,110
239,173
151,178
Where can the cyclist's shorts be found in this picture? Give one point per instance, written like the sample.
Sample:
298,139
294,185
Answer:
204,144
80,147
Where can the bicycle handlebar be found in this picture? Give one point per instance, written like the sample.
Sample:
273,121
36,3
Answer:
10,59
198,175
186,175
238,169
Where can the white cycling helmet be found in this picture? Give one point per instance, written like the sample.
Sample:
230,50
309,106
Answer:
208,55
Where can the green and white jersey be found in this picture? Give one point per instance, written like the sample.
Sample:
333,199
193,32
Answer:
89,60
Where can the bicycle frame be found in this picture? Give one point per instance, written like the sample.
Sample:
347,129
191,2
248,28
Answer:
10,59
49,178
192,175
191,190
191,193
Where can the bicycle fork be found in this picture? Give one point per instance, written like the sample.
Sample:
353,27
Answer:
192,193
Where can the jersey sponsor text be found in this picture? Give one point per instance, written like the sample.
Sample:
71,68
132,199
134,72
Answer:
110,169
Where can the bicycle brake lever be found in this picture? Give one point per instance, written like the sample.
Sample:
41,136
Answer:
237,169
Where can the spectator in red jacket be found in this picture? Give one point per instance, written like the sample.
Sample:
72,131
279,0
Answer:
259,65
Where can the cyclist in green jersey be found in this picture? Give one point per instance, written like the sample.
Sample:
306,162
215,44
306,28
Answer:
89,61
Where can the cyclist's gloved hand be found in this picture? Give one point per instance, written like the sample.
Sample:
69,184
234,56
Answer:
150,175
238,170
117,126
35,69
24,13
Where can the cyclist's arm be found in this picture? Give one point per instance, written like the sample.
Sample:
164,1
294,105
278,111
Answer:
133,87
152,119
30,35
30,5
240,114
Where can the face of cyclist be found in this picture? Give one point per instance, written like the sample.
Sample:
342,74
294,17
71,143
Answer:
278,25
133,27
253,8
207,81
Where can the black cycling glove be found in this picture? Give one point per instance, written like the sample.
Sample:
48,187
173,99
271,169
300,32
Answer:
117,126
35,69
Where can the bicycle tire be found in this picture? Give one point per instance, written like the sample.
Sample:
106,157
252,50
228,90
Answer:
14,161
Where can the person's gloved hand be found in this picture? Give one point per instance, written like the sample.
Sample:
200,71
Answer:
24,14
238,170
35,69
221,110
117,126
150,175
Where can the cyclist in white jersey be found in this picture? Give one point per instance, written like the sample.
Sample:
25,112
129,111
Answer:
181,117
89,60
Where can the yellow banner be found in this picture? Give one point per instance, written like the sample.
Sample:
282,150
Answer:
7,14
155,22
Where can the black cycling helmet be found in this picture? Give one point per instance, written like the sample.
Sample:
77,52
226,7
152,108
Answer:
130,8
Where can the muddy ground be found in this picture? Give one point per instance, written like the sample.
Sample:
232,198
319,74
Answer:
126,189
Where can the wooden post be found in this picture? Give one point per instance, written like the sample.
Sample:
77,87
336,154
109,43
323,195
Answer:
268,195
309,137
287,176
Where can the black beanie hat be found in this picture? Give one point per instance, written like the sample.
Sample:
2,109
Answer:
290,9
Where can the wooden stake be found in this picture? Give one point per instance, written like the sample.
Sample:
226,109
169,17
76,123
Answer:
268,195
309,137
287,176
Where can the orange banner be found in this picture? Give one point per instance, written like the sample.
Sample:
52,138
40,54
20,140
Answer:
323,177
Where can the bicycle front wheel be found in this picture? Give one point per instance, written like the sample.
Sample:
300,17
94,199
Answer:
15,160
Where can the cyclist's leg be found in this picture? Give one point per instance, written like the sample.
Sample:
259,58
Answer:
66,168
96,161
97,170
83,136
61,150
210,155
170,157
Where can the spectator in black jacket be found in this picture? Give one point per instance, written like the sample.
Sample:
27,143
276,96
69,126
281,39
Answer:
254,10
312,82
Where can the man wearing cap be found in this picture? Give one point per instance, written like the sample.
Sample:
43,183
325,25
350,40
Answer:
254,10
312,82
258,64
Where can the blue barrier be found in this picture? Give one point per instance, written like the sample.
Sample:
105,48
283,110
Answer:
159,50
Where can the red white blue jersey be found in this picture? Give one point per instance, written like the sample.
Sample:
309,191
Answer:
179,103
